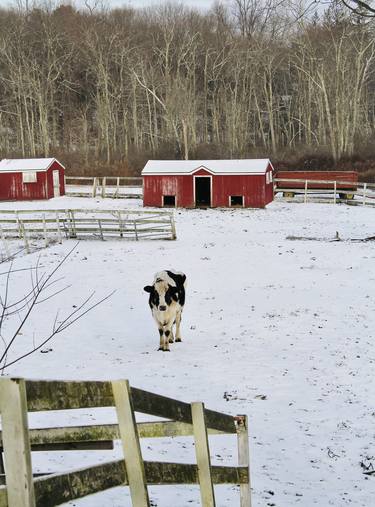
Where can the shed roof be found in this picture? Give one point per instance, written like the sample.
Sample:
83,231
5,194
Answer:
242,166
26,164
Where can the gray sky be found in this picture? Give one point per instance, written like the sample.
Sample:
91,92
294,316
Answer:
202,4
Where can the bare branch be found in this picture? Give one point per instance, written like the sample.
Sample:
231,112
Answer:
59,329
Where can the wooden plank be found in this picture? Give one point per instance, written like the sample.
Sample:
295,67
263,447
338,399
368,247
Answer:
60,395
87,210
161,406
163,473
54,489
3,497
74,446
202,452
130,444
244,458
108,432
73,434
17,455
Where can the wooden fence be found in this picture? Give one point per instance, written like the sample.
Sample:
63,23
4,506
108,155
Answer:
78,223
107,186
364,194
23,489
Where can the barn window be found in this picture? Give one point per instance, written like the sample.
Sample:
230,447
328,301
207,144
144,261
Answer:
236,200
29,177
169,200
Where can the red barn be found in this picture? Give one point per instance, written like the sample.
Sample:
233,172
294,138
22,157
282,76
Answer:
246,183
32,178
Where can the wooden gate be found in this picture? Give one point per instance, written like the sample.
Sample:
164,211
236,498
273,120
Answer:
22,489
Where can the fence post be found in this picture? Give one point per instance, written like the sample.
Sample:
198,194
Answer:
100,229
94,185
364,194
244,457
120,226
19,225
130,443
24,235
45,230
3,239
58,227
173,225
203,454
305,198
104,181
16,443
334,191
73,224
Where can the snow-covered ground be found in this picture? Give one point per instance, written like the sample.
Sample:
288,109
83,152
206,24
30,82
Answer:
277,329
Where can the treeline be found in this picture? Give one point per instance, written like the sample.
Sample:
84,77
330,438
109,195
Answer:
104,90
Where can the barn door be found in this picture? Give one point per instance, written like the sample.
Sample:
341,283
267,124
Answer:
202,190
56,183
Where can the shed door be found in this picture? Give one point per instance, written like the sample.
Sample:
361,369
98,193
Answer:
202,190
56,183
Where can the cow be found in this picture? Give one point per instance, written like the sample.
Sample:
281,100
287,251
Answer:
167,299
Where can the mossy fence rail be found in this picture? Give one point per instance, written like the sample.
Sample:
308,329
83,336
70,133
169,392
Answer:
77,223
115,187
22,489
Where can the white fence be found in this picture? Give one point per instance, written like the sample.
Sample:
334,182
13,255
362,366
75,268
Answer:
364,194
79,223
107,186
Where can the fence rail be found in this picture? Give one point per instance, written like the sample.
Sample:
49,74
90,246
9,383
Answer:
116,187
78,223
357,194
23,488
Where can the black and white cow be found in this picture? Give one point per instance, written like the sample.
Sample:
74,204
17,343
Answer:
167,299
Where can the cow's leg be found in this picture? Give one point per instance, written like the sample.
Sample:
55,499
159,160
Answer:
168,335
171,336
161,333
178,322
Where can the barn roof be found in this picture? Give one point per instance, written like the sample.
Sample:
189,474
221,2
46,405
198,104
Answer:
242,166
26,164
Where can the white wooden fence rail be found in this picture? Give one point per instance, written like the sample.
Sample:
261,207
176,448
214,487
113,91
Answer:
79,223
363,194
116,187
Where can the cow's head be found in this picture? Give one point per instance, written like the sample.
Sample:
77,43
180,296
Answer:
161,295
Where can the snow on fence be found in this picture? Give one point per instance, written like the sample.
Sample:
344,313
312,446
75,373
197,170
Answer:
78,223
127,187
360,194
19,396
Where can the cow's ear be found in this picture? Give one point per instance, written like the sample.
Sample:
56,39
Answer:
148,288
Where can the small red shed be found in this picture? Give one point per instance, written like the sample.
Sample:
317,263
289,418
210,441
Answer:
246,183
31,178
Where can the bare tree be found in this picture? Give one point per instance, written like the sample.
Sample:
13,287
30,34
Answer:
15,312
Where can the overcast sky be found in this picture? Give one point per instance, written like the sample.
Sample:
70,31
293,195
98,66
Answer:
201,4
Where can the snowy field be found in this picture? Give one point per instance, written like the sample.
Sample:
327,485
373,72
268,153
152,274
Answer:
277,329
